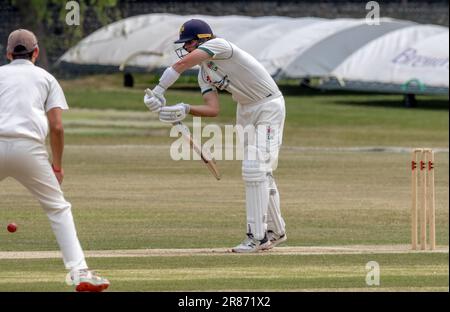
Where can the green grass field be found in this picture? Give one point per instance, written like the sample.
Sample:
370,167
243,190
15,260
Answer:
128,194
415,272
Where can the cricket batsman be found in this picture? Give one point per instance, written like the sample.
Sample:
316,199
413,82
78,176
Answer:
260,104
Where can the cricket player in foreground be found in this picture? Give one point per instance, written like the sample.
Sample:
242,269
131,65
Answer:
31,103
224,66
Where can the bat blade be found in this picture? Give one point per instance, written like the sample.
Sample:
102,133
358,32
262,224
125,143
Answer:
207,159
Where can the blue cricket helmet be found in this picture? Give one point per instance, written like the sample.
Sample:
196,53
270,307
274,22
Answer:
194,29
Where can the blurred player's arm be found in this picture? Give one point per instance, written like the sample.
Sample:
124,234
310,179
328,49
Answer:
56,141
192,59
156,100
210,107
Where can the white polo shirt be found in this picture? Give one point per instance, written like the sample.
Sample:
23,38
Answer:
27,93
236,71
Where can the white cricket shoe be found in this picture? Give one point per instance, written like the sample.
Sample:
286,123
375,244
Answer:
276,239
86,280
251,244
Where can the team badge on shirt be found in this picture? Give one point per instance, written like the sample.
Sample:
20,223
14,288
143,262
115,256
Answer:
212,66
269,133
216,80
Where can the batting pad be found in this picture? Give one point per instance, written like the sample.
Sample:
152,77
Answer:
257,197
275,221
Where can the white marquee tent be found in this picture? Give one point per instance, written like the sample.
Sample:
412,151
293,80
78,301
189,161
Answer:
396,55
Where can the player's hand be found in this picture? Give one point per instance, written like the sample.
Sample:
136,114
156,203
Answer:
59,174
174,113
154,99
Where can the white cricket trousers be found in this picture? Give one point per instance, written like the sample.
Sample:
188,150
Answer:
262,199
27,161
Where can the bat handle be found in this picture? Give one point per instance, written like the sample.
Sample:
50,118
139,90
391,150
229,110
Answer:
149,92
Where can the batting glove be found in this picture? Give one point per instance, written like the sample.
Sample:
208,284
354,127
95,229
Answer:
174,113
154,100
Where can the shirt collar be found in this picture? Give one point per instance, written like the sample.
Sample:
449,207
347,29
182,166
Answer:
21,62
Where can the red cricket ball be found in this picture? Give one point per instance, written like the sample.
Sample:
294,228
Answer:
12,227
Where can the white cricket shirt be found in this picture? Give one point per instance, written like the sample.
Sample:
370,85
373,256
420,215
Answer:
236,71
27,92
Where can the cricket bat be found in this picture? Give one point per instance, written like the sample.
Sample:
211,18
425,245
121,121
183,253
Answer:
207,159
